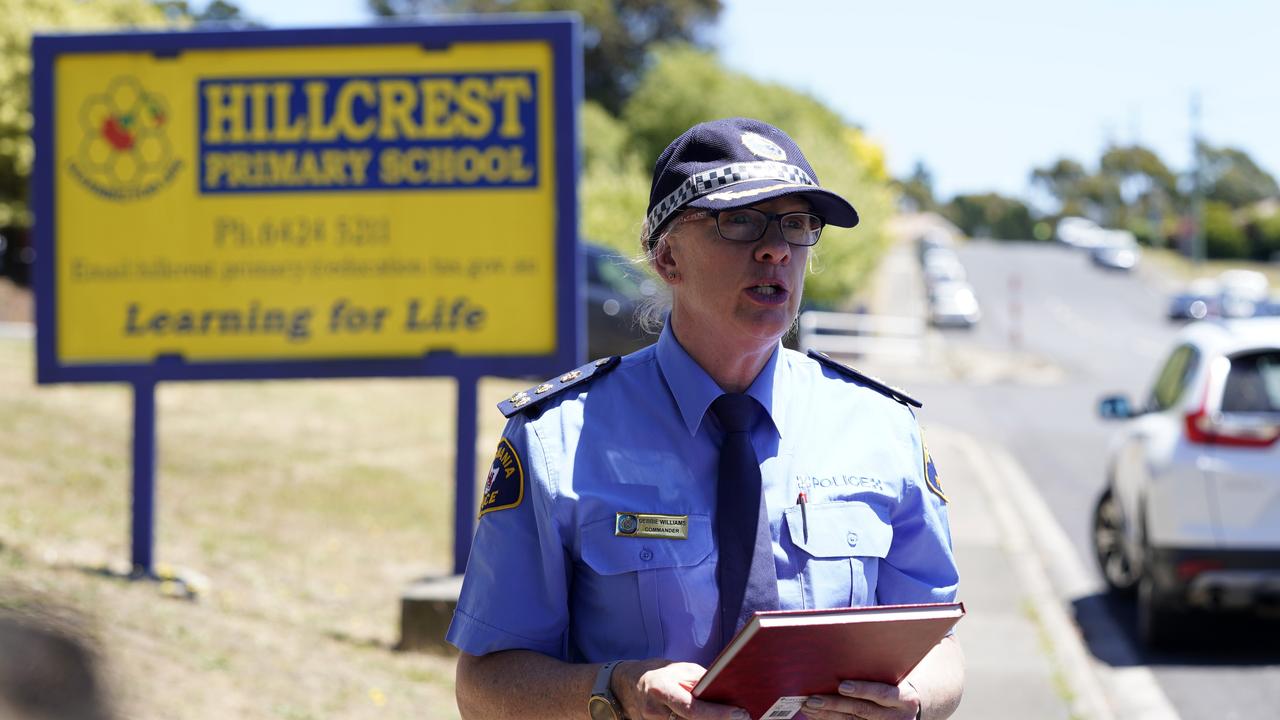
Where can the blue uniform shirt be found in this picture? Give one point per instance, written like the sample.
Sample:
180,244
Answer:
548,573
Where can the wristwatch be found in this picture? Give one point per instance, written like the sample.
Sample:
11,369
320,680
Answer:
603,705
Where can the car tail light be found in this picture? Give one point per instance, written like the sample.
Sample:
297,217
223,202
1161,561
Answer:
1206,428
1188,569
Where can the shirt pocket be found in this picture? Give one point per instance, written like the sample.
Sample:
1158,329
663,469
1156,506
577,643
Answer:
640,582
840,556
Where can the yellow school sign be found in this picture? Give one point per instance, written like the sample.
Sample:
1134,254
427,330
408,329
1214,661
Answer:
369,201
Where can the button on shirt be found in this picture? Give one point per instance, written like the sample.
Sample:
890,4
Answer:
551,575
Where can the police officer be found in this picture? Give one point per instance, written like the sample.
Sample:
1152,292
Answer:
640,508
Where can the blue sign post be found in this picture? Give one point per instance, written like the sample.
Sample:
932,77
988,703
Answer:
393,201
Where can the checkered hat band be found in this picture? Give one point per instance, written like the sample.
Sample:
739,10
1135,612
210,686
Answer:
716,178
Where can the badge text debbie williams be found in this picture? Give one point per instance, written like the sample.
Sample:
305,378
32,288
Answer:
297,134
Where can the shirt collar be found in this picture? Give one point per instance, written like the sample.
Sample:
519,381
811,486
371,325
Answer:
694,390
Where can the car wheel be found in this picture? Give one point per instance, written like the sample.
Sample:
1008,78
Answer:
1117,567
1161,619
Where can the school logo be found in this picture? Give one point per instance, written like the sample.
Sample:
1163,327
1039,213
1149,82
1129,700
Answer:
125,152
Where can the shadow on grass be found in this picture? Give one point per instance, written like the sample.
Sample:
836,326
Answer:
169,583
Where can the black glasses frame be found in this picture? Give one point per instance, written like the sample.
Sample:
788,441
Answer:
769,219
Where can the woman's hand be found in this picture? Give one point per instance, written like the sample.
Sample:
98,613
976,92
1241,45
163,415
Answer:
867,701
659,689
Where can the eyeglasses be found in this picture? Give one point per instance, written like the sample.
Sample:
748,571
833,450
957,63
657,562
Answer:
747,225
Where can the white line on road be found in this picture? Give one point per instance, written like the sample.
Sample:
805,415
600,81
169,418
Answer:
1045,560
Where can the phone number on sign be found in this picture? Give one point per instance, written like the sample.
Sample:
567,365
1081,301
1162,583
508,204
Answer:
302,232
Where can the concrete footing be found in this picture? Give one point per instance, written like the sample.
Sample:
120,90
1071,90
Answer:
426,609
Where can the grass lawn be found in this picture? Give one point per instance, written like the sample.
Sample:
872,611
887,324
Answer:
1181,267
307,506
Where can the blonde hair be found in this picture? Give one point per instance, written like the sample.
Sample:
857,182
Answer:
652,312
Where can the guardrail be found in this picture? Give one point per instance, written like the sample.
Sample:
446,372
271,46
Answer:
17,331
866,336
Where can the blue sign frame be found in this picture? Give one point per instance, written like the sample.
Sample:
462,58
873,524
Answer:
560,31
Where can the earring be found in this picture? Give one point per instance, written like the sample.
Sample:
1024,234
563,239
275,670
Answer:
673,276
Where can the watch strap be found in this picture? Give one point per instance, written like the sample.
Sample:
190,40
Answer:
602,687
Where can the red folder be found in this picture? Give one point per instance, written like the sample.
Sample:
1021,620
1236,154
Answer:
782,657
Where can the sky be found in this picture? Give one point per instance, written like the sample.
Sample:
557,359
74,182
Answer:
984,91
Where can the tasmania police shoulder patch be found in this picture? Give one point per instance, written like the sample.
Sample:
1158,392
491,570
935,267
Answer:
863,378
535,396
931,474
504,487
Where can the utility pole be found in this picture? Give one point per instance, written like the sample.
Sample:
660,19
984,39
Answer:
1197,187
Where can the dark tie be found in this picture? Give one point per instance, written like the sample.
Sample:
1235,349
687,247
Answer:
746,574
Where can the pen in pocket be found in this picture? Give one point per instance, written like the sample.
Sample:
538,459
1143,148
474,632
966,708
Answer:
803,502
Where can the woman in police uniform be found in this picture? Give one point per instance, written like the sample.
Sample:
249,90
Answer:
619,545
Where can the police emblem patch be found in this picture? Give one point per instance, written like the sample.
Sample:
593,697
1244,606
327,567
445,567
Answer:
763,147
627,524
931,476
504,486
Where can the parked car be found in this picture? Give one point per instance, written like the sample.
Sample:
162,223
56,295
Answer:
1268,308
942,264
615,289
1190,514
953,304
1248,283
1078,232
1196,302
933,239
16,254
1240,292
1118,250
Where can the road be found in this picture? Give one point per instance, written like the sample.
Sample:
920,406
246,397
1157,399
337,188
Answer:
1056,335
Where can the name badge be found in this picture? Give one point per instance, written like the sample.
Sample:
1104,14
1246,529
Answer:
640,525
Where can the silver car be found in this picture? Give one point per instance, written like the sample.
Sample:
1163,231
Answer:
952,303
1190,515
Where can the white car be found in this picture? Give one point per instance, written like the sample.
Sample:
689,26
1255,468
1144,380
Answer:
1190,515
1079,232
942,265
1117,251
1241,292
953,304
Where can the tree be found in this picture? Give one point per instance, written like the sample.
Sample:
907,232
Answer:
1230,176
917,188
617,36
1066,181
1223,238
1263,232
1144,187
216,12
615,182
22,17
991,215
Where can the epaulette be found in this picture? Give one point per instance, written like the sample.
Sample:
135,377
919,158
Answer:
874,384
534,396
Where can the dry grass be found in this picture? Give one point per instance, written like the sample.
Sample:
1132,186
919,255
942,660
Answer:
307,505
1179,266
15,302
